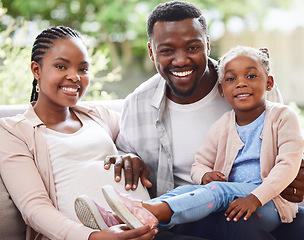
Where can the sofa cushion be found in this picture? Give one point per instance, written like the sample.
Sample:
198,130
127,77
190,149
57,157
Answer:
12,110
12,226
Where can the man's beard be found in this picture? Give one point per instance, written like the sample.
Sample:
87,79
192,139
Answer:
178,93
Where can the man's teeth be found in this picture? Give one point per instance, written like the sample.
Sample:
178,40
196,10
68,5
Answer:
69,89
182,74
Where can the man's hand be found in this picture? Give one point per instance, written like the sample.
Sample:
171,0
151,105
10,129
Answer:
295,191
213,176
241,206
134,168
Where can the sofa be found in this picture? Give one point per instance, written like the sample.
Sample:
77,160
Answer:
12,226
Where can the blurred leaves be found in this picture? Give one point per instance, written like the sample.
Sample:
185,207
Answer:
117,27
99,75
15,73
121,24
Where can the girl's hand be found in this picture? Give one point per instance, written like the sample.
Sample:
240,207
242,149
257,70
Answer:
213,176
122,232
241,206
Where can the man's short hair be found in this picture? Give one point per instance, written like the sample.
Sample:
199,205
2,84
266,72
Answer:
174,11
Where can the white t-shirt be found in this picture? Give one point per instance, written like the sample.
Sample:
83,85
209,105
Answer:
78,167
190,124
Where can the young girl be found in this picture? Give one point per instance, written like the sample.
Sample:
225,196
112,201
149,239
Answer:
250,155
55,150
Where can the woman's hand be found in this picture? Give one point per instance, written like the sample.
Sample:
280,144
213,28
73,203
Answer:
134,168
295,191
122,232
213,176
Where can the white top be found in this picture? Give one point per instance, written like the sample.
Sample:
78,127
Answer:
78,163
190,124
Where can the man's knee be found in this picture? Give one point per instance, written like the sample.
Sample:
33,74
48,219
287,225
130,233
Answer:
164,234
215,226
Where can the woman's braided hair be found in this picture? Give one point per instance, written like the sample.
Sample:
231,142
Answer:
44,42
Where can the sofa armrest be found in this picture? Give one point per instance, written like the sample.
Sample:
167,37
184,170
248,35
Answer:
12,110
12,226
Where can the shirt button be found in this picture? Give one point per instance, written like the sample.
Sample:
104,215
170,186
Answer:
283,217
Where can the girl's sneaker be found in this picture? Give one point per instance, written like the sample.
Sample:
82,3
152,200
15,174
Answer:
128,209
92,215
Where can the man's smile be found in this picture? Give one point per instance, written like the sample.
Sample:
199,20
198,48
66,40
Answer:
182,74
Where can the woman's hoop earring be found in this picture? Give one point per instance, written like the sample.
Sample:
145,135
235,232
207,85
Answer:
37,88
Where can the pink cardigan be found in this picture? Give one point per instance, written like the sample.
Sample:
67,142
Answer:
281,154
26,171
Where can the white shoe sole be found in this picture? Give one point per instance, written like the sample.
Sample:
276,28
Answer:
120,208
88,213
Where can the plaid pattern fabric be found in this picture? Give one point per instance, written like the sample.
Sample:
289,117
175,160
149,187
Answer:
144,132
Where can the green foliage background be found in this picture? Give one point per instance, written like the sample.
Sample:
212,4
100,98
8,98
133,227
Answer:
114,31
14,72
120,25
16,77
